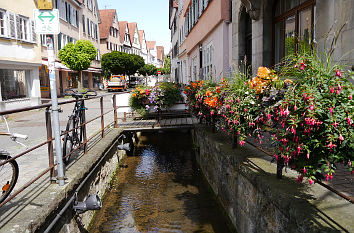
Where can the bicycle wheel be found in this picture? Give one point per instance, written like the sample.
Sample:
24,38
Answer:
8,175
71,139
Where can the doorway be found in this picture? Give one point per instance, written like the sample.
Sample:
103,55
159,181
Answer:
245,41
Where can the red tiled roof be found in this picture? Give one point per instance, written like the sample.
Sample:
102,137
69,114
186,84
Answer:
175,4
107,17
132,27
122,27
160,52
141,36
150,44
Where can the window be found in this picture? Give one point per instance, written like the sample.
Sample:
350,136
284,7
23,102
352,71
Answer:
88,27
83,23
3,23
13,83
208,53
294,26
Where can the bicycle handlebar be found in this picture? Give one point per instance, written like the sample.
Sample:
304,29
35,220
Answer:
76,94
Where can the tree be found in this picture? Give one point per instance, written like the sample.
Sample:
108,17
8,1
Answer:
148,69
115,63
167,65
121,63
137,62
78,56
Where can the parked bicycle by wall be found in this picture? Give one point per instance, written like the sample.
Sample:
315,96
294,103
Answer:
74,126
9,168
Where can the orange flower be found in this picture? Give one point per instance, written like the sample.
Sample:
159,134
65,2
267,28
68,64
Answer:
263,72
134,95
217,89
141,92
208,93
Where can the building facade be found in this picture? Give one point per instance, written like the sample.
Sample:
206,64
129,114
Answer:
78,19
134,37
204,39
20,55
143,47
160,55
174,14
109,31
264,32
125,39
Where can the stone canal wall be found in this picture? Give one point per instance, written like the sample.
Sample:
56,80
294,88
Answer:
54,198
246,186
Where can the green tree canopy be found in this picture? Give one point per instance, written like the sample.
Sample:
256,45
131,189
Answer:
78,56
148,69
136,63
121,63
167,65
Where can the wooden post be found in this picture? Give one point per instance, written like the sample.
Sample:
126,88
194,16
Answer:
48,123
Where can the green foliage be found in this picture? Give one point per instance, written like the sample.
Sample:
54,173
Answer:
167,65
121,63
148,69
78,56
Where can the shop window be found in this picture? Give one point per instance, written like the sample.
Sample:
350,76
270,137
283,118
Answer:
294,27
13,84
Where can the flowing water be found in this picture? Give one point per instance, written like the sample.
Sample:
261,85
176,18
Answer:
160,189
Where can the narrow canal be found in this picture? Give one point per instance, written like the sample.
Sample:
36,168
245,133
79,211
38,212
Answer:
160,189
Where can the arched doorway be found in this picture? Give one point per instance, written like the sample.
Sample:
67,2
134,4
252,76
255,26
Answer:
245,40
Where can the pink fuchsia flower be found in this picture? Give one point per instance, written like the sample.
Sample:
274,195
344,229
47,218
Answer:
310,181
299,179
331,110
338,73
350,97
337,92
295,107
331,90
308,155
293,130
331,146
335,124
341,137
339,87
286,112
302,65
311,107
349,121
304,170
241,143
245,110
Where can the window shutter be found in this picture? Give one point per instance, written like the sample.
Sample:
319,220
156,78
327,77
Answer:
77,18
33,33
18,27
88,26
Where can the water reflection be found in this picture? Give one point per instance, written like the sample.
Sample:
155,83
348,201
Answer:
160,191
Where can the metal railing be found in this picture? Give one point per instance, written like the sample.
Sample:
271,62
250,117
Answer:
50,139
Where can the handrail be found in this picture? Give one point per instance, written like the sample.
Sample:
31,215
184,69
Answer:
50,138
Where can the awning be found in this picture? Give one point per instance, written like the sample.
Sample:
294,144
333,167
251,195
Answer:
57,65
93,70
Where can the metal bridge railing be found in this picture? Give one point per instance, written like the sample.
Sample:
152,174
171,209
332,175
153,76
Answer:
49,142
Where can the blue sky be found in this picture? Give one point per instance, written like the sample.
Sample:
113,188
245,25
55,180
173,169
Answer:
151,16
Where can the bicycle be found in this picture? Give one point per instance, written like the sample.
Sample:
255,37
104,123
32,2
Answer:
9,170
74,136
